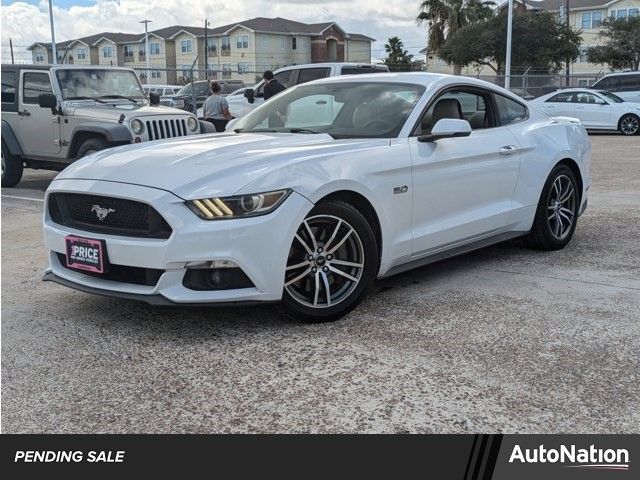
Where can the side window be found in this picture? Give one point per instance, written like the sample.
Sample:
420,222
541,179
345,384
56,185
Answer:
629,83
9,87
284,78
561,98
510,111
458,104
584,97
308,74
33,84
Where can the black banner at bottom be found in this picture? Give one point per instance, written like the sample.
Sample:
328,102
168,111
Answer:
459,457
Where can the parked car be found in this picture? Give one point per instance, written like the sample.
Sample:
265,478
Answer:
625,85
53,115
398,170
166,92
245,100
596,109
184,98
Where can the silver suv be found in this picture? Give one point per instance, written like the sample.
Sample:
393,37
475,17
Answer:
53,115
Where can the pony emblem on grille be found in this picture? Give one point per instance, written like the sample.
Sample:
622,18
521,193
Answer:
101,213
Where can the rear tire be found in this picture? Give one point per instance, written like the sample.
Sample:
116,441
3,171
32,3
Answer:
333,260
92,145
557,212
12,168
629,124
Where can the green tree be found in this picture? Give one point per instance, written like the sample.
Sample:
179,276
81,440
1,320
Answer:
540,41
622,47
398,59
445,17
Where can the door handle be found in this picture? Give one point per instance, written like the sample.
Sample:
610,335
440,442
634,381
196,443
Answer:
24,113
508,150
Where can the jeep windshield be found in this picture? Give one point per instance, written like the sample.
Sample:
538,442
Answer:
342,110
99,84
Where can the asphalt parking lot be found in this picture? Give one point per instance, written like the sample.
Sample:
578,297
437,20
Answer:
500,340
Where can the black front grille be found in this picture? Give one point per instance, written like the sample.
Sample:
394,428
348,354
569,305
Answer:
119,216
166,128
121,273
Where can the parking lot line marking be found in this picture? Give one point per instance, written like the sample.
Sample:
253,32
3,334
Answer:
23,198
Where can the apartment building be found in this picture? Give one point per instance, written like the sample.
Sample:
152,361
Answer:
239,50
584,15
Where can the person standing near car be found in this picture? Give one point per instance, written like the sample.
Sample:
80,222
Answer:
271,85
216,109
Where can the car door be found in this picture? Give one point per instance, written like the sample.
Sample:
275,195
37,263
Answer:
462,187
558,105
592,110
39,128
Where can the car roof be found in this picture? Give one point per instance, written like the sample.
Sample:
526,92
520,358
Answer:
615,74
329,64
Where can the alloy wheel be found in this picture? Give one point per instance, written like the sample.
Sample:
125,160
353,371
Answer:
629,125
326,262
561,206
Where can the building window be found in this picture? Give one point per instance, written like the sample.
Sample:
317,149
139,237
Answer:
225,46
226,70
243,68
212,47
154,48
283,42
591,20
185,46
128,53
596,19
81,53
107,52
294,43
264,40
242,41
621,13
633,12
39,57
303,43
156,74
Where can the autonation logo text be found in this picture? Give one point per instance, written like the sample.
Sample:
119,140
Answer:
592,457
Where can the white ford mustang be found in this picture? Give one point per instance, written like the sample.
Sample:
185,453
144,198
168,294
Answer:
318,192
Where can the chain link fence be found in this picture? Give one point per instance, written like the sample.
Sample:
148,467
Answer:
533,86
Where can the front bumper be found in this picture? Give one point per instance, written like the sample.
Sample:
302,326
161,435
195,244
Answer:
259,246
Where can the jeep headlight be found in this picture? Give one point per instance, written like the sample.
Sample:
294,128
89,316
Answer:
240,206
137,127
192,124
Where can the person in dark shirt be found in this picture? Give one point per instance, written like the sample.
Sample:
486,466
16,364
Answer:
271,85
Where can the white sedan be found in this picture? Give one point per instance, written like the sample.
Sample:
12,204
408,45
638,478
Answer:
317,193
596,109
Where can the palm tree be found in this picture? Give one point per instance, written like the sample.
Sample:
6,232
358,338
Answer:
398,59
445,17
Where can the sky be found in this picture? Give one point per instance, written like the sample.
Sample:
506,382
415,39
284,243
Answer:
27,21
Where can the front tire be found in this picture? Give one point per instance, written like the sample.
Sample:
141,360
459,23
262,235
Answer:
629,124
92,145
332,262
12,168
557,212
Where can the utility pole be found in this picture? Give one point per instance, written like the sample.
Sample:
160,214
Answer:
53,34
566,13
11,48
146,46
507,64
206,50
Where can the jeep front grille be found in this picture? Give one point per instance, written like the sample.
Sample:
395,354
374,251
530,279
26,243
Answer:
126,217
166,128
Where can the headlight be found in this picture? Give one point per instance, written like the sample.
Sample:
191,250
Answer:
238,206
137,126
192,124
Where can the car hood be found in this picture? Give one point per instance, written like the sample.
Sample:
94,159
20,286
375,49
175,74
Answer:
206,165
112,113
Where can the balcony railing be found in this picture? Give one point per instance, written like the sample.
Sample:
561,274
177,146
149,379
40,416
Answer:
128,58
225,51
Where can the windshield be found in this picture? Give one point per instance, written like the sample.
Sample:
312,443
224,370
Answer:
202,89
611,96
98,83
343,110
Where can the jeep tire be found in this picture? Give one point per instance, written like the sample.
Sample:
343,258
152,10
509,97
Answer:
11,168
92,145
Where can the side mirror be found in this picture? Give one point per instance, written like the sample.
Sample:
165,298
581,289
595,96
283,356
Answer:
48,100
600,101
249,94
447,128
154,99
